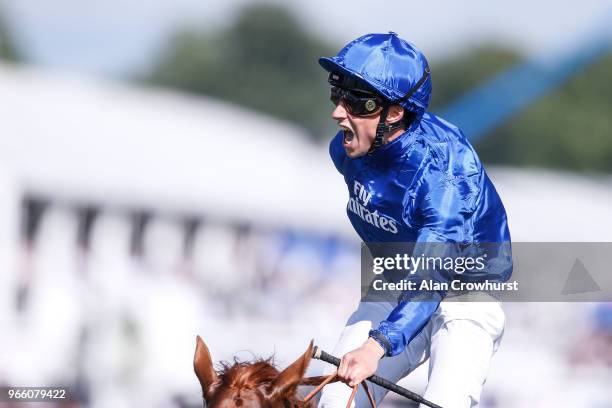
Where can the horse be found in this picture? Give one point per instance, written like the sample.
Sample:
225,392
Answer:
251,385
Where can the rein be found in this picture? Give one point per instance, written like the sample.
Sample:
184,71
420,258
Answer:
333,377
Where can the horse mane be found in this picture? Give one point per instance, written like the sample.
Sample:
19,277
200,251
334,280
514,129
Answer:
252,375
248,375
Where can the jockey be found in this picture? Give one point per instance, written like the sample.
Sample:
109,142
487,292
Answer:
412,177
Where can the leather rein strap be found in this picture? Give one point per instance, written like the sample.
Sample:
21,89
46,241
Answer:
322,381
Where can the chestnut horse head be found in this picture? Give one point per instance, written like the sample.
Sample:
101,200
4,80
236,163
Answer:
249,385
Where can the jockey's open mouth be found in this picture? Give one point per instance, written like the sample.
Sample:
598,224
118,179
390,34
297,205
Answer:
348,136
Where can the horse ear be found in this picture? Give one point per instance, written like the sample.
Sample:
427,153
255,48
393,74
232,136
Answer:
287,381
203,367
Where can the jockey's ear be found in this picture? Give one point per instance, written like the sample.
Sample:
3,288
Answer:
285,385
395,113
203,366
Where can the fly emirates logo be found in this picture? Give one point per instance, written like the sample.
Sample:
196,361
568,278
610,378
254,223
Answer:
357,205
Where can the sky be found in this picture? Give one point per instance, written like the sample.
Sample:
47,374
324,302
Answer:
118,37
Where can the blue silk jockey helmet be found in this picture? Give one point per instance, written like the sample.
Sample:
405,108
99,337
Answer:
387,65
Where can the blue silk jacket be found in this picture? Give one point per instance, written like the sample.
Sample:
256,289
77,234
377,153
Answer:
426,186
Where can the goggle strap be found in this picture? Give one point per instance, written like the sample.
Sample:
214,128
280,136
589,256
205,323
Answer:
415,88
349,82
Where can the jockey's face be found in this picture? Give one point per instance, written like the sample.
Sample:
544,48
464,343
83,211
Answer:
359,131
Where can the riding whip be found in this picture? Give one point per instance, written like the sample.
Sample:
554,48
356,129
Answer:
322,355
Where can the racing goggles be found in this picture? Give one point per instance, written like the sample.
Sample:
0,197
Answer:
357,103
